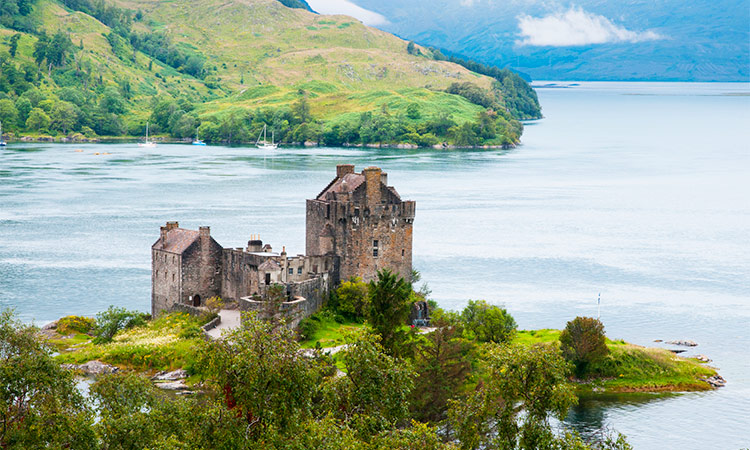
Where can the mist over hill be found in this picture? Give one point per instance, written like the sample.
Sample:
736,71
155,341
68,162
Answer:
583,40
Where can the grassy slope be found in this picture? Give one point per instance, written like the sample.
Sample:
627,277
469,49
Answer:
346,67
632,368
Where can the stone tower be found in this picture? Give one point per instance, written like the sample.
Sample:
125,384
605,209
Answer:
362,221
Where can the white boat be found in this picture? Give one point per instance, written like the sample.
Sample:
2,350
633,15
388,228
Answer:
197,141
147,143
2,142
264,144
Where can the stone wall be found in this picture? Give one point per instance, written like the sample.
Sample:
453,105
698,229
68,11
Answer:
166,278
201,269
307,298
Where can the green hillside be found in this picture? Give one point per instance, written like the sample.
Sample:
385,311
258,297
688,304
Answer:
226,68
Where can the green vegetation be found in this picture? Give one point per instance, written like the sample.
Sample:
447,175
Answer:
83,68
583,342
167,343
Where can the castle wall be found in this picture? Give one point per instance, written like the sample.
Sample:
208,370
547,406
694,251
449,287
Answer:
307,299
166,279
201,271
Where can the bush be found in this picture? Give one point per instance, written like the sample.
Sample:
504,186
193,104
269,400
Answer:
109,322
488,323
75,324
308,327
583,342
352,298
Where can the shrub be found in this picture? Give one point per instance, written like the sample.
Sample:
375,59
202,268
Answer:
488,323
109,322
308,327
583,342
75,324
352,298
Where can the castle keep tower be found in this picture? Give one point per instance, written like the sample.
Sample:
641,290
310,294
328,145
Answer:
362,221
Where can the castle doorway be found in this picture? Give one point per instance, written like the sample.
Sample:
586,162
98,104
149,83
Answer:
196,300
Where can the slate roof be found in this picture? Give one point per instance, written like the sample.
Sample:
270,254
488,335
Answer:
348,183
269,266
178,240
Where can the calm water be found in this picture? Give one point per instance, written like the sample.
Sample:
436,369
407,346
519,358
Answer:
639,191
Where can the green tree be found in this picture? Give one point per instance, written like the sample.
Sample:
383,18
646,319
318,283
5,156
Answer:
65,116
413,111
301,110
583,342
442,363
112,101
374,396
114,319
265,379
24,107
523,388
8,114
41,407
13,44
38,121
389,307
352,298
488,323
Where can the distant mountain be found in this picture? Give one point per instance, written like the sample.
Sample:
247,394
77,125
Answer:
697,40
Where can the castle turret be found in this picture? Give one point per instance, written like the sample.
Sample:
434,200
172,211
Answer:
362,221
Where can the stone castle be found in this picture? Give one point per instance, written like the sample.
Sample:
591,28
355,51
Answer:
356,226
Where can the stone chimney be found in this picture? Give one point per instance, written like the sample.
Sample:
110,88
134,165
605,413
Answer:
254,244
344,169
384,178
204,232
372,182
163,238
172,225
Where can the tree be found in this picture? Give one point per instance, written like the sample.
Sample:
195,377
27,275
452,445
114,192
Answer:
264,377
413,111
114,319
389,307
13,44
41,406
352,298
38,121
64,116
374,395
442,363
112,101
8,114
583,342
524,386
23,106
488,323
301,110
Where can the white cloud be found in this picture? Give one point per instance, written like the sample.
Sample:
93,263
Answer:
576,27
348,8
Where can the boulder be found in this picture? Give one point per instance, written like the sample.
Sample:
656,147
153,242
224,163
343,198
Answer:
175,375
703,358
93,368
684,343
716,381
178,385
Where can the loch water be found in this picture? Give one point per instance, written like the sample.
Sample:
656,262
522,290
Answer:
639,192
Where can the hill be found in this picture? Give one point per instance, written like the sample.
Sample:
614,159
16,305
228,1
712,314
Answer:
226,69
587,40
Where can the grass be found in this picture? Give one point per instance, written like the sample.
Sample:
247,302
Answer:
331,333
167,343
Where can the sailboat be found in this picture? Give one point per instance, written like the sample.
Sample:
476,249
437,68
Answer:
265,144
197,141
147,143
2,142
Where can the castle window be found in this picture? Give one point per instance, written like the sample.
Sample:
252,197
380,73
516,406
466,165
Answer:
268,279
291,271
299,270
328,211
402,252
173,259
375,252
375,248
172,278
